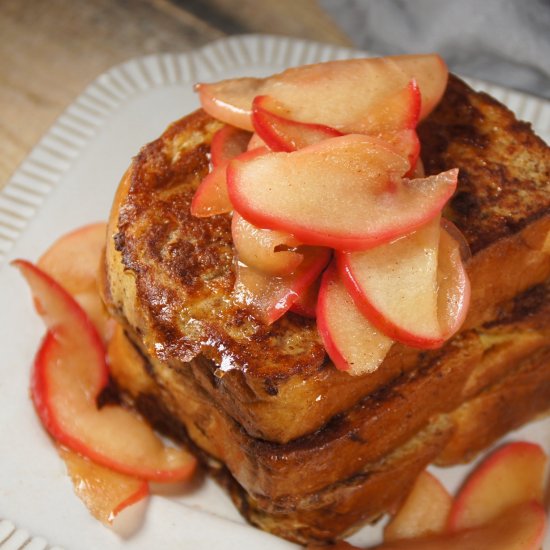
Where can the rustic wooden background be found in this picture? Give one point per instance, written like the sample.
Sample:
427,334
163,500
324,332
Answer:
51,49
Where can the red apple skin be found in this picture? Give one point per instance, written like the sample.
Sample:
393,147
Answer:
246,202
475,503
285,134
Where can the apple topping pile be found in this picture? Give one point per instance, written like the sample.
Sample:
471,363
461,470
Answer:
333,216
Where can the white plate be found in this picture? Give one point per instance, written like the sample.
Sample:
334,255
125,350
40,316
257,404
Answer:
68,180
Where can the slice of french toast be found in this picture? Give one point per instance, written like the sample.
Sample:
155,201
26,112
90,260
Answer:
169,275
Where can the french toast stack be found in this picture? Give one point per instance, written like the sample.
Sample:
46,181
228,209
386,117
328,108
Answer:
306,451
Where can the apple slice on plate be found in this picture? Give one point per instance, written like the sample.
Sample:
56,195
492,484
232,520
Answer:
104,492
414,289
345,192
351,341
519,528
80,278
256,142
270,296
424,512
264,249
513,474
69,372
340,94
211,197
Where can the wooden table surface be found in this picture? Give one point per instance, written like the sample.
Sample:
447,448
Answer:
51,49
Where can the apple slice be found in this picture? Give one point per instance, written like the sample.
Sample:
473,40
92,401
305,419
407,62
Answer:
424,512
256,142
414,289
228,142
351,341
69,372
104,492
270,296
211,197
519,528
340,94
513,474
321,194
80,278
281,133
406,144
306,304
454,292
264,249
395,286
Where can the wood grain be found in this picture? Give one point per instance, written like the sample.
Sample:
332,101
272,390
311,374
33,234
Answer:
50,50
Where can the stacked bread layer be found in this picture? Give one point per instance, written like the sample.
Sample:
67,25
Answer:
309,452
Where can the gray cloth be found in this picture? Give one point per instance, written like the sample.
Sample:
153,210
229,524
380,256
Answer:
501,41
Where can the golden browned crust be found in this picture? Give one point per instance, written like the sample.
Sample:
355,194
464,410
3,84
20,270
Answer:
504,178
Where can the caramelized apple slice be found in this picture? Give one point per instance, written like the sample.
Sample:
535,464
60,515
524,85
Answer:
211,197
228,142
519,528
327,93
104,492
306,304
344,192
406,144
395,286
79,277
424,512
264,249
281,133
511,475
351,341
414,289
270,296
454,293
69,372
